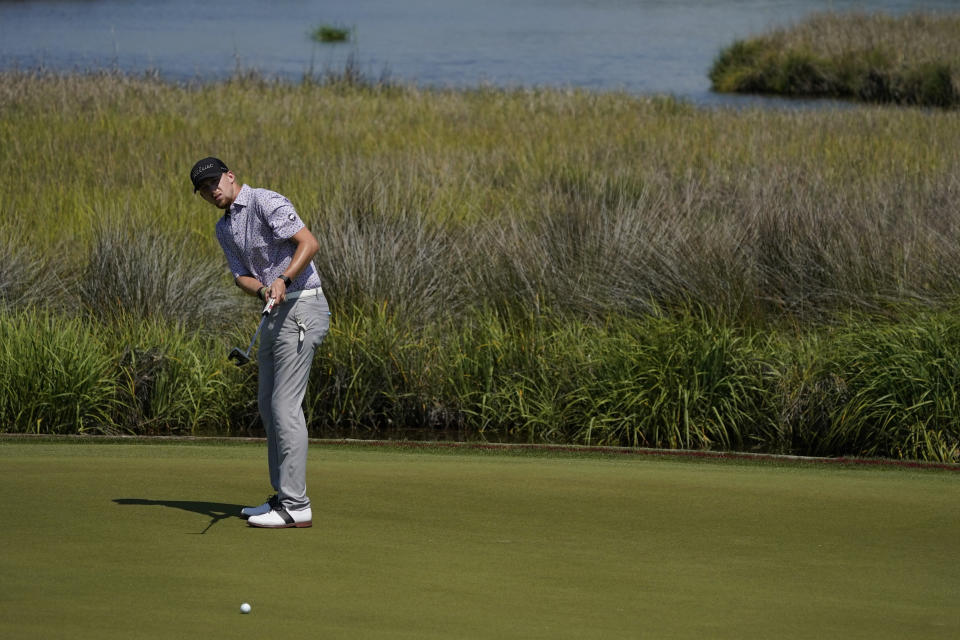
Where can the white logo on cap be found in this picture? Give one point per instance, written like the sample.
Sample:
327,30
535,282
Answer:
203,168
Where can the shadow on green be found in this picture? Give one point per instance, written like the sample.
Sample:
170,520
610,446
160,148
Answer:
216,511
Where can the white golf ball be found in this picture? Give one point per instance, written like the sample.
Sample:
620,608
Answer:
245,608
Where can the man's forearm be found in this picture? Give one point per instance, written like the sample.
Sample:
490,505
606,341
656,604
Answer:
249,285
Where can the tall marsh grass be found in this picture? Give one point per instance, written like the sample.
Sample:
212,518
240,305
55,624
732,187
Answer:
533,265
436,201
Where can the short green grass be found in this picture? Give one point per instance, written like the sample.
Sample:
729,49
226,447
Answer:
139,540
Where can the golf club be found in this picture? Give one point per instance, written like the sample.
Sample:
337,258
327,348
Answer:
243,357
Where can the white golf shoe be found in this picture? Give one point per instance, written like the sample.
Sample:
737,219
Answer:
281,518
272,503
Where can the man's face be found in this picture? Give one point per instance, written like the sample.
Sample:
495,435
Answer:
219,192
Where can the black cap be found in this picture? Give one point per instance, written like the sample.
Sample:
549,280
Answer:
207,168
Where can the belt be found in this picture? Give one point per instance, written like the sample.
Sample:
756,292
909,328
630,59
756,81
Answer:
293,295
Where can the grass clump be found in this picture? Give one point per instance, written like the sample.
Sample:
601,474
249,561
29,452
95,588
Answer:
22,269
328,33
911,60
143,274
55,377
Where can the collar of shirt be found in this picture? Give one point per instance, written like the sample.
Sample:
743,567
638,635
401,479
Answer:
239,202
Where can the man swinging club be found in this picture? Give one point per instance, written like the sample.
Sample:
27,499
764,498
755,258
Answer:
269,250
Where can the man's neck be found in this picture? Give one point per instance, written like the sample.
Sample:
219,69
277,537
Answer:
233,201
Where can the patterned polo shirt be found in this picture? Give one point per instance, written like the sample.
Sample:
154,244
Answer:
255,233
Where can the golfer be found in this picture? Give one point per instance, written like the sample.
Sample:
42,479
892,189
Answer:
269,250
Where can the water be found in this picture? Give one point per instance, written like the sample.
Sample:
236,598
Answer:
640,46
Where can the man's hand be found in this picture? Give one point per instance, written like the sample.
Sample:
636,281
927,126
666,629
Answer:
278,290
306,248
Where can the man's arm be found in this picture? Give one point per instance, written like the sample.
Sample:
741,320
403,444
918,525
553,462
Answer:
307,247
248,284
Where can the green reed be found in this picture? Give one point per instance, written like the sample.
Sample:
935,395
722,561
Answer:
863,388
55,376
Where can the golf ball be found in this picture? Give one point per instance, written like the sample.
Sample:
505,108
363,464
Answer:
245,608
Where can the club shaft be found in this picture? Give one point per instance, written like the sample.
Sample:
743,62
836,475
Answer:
263,316
255,334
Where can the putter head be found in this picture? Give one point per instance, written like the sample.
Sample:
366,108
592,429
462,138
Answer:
239,357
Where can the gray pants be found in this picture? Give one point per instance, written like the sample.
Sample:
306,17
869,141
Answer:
291,334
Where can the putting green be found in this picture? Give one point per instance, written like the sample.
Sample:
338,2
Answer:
141,541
